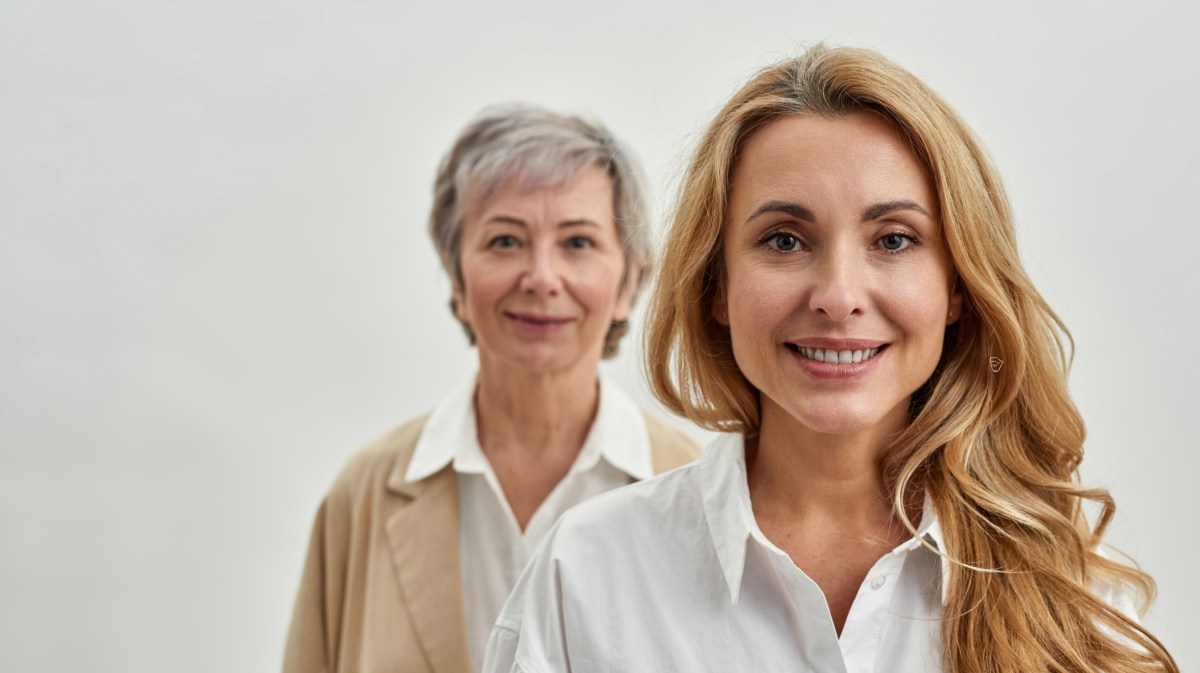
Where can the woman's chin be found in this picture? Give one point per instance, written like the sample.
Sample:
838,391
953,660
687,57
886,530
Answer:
539,358
835,419
839,425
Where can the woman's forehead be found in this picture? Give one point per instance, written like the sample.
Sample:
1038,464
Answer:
856,157
521,183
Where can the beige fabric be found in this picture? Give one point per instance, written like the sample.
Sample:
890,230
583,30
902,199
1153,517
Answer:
381,588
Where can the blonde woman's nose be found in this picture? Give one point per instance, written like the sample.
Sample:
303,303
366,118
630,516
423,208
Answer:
838,289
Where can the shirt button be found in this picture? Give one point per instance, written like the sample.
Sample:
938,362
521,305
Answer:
879,581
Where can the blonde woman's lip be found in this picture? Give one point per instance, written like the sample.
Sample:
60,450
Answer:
838,344
835,357
827,362
831,364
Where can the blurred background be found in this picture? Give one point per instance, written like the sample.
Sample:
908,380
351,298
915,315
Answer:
215,281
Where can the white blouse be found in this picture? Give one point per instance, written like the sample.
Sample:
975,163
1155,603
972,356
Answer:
492,548
674,574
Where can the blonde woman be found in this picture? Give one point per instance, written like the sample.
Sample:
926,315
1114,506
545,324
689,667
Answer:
539,221
840,273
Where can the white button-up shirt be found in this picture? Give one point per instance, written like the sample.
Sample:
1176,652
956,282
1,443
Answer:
674,574
492,548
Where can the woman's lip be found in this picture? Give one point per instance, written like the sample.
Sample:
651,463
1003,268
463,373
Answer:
537,319
826,370
839,344
537,322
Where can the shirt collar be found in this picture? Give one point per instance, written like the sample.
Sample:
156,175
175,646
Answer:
727,505
618,434
931,531
449,428
731,524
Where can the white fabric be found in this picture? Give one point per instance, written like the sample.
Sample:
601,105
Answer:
492,548
674,574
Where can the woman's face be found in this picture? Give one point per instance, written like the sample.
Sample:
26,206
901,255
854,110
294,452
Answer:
832,248
542,273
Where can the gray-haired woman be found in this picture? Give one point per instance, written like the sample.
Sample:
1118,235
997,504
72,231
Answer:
540,223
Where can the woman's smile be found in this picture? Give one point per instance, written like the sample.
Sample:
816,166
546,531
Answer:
537,323
833,364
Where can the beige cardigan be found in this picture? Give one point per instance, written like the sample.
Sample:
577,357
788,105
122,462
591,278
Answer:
381,588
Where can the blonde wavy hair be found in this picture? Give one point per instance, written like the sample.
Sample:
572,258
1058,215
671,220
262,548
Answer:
998,452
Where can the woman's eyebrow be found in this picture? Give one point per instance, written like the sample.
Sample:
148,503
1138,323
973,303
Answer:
506,219
518,222
581,222
880,209
801,213
793,209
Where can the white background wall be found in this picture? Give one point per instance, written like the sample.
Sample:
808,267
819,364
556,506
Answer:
215,282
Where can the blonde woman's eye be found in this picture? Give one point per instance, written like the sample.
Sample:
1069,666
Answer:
897,243
579,242
783,242
504,241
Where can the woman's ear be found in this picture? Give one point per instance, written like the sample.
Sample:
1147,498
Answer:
626,294
955,310
458,300
720,311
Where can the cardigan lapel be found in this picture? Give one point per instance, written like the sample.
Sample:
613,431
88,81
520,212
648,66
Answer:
423,536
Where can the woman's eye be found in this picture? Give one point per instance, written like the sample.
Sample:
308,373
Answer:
505,241
783,242
896,242
579,242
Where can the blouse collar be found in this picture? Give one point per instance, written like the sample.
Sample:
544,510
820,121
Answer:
618,435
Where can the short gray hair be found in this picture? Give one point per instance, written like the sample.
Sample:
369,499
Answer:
532,148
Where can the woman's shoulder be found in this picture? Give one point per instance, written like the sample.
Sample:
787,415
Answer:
655,507
670,446
371,466
626,421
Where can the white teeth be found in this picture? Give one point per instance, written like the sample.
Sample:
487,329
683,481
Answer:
838,357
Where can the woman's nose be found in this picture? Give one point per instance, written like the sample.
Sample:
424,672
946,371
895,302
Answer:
838,286
543,275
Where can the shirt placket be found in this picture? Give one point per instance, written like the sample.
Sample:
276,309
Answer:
869,613
813,625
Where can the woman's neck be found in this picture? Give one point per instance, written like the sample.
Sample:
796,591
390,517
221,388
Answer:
797,474
529,416
531,426
821,498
